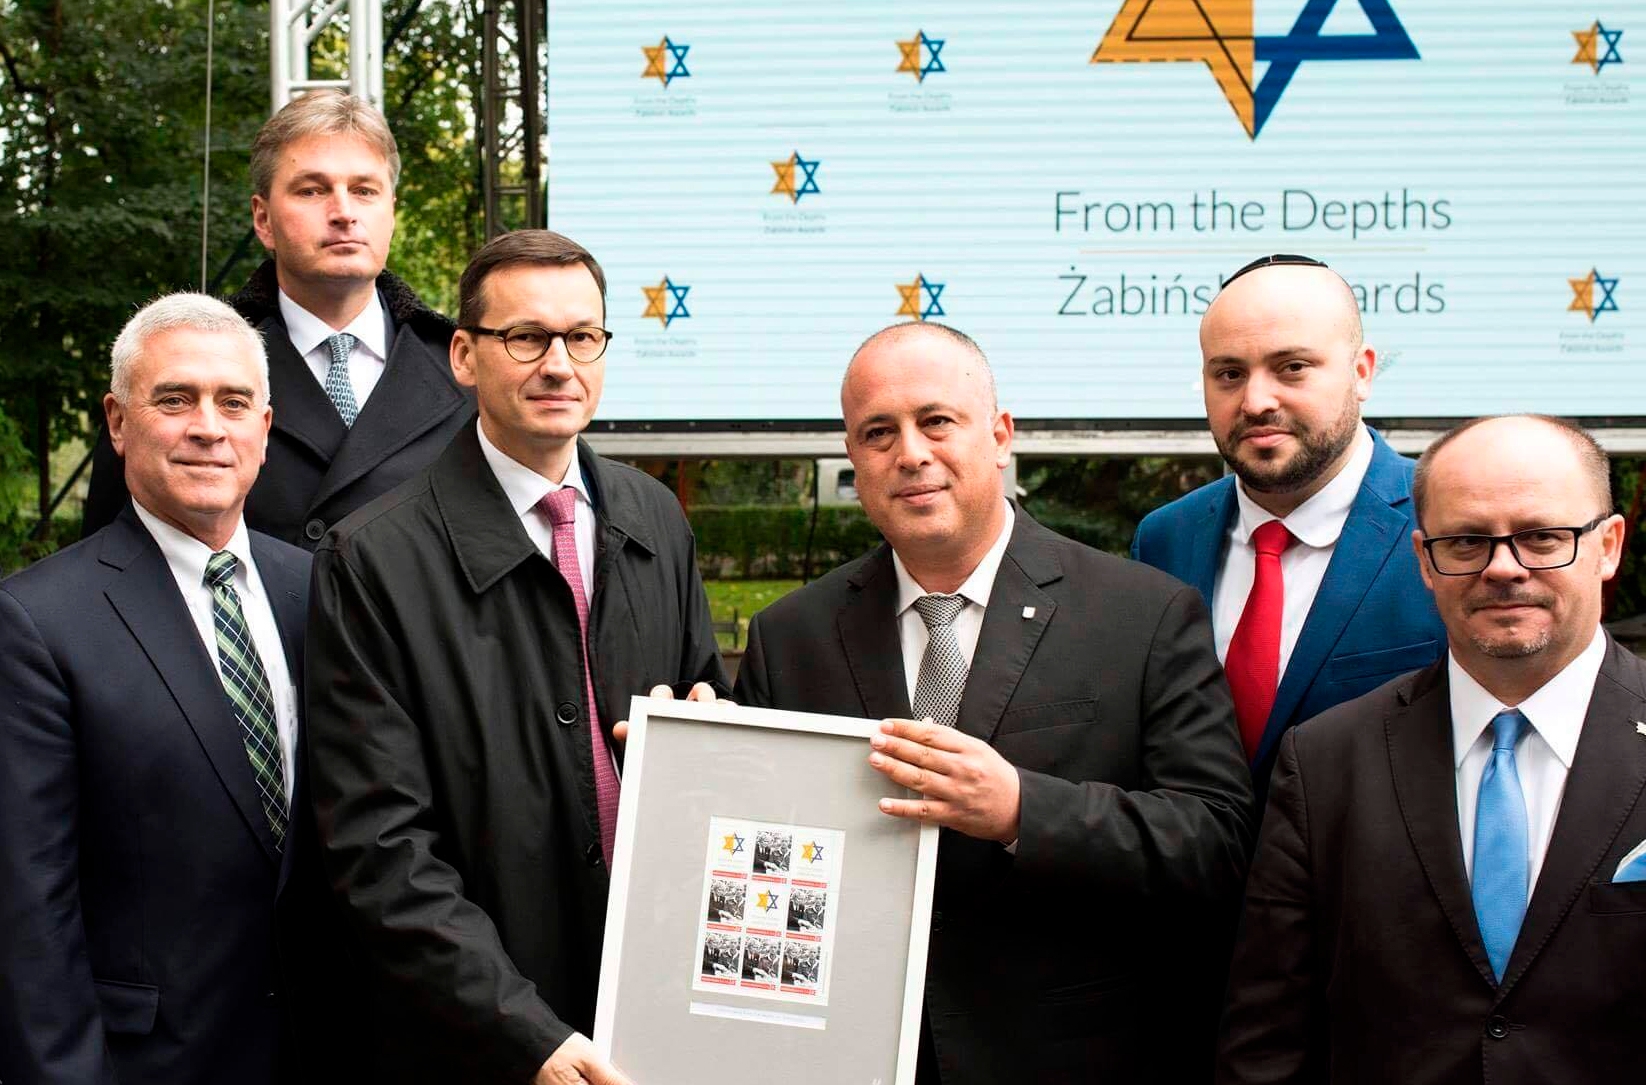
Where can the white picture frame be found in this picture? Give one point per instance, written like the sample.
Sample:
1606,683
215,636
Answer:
690,763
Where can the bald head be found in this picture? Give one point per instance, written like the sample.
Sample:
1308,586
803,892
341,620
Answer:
1287,293
1536,444
926,338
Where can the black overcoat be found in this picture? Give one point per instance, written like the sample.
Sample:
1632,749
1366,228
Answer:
450,750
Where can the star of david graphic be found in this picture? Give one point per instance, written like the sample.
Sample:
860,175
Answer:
796,177
733,844
1220,34
1593,294
666,302
767,901
1589,43
665,61
811,853
920,299
920,56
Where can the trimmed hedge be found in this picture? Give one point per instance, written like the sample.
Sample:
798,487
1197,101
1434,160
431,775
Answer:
768,542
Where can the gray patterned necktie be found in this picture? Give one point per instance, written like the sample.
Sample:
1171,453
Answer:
338,386
942,678
247,685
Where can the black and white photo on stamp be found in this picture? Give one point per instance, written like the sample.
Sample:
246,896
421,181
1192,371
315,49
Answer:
760,958
726,900
806,908
720,955
800,963
771,852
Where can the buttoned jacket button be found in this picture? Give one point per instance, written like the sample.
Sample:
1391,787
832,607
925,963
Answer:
592,855
566,713
1497,1028
313,530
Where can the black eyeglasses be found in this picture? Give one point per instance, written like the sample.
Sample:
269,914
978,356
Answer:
528,342
1536,548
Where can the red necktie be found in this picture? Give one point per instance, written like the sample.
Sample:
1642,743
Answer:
1253,662
560,506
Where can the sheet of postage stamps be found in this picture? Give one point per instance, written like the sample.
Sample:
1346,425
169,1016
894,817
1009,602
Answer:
771,895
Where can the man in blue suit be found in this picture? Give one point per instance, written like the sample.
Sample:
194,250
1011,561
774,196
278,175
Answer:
1301,555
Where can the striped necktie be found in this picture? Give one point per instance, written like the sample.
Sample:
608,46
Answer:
247,685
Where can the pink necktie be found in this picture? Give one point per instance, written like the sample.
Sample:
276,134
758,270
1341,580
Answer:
1253,661
560,506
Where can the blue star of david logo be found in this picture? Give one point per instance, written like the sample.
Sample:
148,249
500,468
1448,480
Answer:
1605,303
1388,41
809,169
677,310
677,66
933,46
932,306
1611,56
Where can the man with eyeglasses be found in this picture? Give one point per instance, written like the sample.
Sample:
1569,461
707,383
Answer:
1450,884
474,636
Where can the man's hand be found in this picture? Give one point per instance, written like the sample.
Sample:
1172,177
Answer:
963,783
702,691
576,1062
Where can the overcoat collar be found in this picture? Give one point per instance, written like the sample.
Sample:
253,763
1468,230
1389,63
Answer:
485,532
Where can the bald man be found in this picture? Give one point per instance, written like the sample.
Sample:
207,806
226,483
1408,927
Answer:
1057,711
1450,887
1301,554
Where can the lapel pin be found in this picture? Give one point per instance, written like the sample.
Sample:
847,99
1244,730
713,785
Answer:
1640,728
1028,612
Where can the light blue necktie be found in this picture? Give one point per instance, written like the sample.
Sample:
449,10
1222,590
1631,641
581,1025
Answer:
338,386
1502,871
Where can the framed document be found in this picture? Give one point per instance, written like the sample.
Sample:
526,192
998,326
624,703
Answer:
766,920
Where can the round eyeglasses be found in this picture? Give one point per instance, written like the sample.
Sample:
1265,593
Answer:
529,342
1536,548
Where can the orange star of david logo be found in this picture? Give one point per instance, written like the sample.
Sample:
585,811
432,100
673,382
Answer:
785,177
656,64
1217,32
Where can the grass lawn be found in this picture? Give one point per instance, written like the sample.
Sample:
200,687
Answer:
747,598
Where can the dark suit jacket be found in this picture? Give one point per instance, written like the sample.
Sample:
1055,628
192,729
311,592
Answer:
149,930
318,471
451,752
1371,620
1135,797
1360,959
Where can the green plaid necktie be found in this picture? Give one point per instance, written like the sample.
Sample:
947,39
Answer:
247,684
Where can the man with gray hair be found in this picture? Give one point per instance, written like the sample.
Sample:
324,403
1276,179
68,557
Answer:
356,360
161,909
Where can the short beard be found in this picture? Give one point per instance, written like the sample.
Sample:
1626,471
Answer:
1512,649
1316,452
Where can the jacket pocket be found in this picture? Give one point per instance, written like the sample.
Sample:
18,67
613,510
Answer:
128,1007
1384,661
1617,898
1056,714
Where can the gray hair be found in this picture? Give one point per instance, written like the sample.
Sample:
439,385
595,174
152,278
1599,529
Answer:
173,312
324,112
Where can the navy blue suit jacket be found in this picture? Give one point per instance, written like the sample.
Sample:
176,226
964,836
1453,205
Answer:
1371,620
150,929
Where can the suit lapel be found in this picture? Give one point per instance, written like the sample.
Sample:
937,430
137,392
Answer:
146,598
1008,640
867,624
1371,533
1602,789
1210,536
301,409
1419,737
284,582
415,392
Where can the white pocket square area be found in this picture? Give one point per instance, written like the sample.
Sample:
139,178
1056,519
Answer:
1633,867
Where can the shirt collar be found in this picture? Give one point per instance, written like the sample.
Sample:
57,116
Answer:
1318,521
1556,710
977,587
307,331
187,556
521,485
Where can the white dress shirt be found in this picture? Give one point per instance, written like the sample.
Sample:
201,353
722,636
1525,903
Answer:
1543,753
525,488
968,624
187,556
1316,524
308,335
